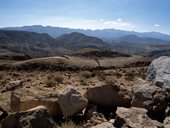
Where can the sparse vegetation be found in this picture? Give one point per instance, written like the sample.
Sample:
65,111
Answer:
50,82
117,74
1,76
52,79
100,74
109,82
130,76
68,124
58,78
85,74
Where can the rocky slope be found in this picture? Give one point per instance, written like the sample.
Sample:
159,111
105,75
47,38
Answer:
106,98
79,61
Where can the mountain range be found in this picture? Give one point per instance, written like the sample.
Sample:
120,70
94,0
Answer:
23,43
105,34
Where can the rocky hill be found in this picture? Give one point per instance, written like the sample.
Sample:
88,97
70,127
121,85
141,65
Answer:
77,41
30,43
39,45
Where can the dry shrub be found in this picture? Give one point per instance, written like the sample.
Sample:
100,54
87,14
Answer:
58,78
109,82
53,79
1,76
130,76
100,74
68,124
85,74
117,74
50,82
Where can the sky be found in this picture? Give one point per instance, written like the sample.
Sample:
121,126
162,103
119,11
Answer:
131,15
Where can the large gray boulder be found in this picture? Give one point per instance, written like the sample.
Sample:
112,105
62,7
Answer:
109,95
134,118
159,72
38,117
71,102
148,96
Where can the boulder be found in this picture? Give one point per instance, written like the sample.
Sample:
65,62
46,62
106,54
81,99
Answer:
159,72
3,113
134,118
71,102
11,86
38,117
108,95
145,95
21,102
104,125
167,111
5,100
166,122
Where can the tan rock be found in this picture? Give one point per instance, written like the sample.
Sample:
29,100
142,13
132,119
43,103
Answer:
108,95
12,85
23,103
134,118
5,100
36,118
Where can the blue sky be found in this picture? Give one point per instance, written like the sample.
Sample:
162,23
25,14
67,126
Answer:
132,15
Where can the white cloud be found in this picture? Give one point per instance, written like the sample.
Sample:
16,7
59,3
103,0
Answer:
118,23
157,25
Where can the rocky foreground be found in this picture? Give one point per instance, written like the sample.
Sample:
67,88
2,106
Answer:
143,104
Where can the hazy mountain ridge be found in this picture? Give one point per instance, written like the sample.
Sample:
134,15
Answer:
133,39
106,34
